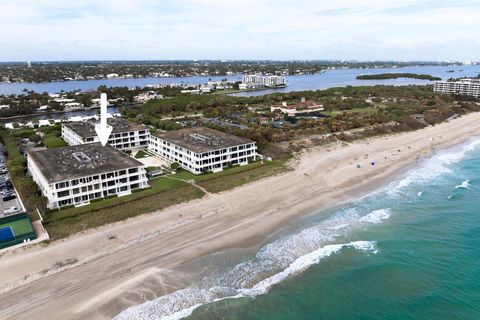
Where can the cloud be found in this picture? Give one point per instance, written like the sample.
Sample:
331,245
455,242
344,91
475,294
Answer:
248,29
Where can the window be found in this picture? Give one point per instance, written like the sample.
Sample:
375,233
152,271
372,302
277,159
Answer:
62,194
65,202
61,185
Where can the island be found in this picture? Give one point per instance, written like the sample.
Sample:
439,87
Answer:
386,76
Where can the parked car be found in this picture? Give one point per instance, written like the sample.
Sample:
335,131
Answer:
11,210
9,197
6,185
7,191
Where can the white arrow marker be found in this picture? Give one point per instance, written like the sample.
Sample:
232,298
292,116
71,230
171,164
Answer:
103,129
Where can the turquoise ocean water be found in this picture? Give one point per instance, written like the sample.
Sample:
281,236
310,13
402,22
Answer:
410,250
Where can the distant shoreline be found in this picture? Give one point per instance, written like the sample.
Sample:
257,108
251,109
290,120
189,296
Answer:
388,76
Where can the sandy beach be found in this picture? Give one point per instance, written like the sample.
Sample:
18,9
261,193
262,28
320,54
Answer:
97,274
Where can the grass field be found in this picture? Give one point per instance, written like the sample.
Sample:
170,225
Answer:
52,141
353,110
19,227
235,176
61,224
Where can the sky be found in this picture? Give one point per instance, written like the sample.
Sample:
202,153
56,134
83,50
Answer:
40,30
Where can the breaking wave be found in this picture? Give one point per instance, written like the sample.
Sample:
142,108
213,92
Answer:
465,185
272,264
182,303
439,164
376,216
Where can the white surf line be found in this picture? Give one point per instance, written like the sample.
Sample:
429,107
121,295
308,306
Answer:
149,310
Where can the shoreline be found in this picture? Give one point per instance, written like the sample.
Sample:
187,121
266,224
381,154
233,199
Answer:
107,268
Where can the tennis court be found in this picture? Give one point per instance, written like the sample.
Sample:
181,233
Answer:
6,234
15,229
19,227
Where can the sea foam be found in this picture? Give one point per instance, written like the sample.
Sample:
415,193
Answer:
465,185
376,216
272,264
182,303
439,164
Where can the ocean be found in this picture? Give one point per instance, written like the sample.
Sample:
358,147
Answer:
410,250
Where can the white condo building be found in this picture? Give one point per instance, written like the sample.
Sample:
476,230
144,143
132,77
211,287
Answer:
254,81
202,149
75,175
125,134
274,81
468,87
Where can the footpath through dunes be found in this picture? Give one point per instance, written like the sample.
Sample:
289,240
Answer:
99,273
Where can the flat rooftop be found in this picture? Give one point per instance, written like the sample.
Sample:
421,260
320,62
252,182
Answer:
66,163
201,140
87,129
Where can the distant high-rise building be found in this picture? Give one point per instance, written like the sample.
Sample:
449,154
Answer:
29,64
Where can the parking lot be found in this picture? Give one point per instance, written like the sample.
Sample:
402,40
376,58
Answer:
10,203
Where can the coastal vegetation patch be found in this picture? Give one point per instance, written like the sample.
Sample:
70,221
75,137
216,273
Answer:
388,76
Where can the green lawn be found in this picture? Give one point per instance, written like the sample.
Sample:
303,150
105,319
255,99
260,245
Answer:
64,223
19,227
236,176
353,110
163,193
52,141
141,154
157,186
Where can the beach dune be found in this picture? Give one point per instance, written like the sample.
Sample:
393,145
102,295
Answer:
98,273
